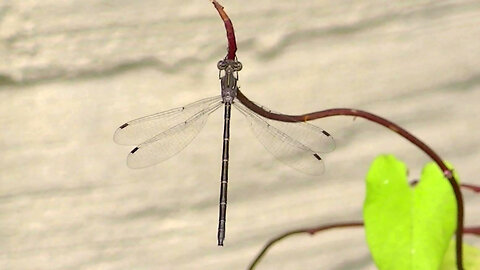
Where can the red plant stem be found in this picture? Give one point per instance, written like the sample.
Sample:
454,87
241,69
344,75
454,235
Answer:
299,231
232,48
388,124
473,188
314,230
232,44
472,230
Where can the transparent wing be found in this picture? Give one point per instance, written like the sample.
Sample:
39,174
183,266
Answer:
168,143
142,129
296,144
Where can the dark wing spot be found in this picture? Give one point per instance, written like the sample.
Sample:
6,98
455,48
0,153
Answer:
326,133
134,150
317,156
123,126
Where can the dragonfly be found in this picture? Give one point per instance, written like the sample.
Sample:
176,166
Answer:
160,136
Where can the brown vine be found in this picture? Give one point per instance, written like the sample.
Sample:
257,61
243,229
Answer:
314,230
232,44
393,127
232,48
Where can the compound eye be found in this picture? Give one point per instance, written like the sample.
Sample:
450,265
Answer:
237,66
222,65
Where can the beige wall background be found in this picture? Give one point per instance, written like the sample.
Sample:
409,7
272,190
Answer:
72,71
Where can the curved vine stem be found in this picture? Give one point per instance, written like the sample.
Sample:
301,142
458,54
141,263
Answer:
232,44
393,127
232,48
310,231
473,188
313,230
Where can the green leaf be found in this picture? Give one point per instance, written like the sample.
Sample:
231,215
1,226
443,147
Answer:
471,258
407,228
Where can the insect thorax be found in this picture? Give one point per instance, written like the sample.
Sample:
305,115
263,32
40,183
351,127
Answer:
228,75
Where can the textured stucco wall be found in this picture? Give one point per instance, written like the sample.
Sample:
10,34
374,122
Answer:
72,71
